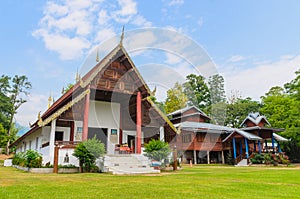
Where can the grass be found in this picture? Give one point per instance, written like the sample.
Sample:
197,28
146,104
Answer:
195,182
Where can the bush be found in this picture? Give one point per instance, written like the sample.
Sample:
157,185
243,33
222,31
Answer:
30,158
257,159
87,152
157,150
267,158
68,166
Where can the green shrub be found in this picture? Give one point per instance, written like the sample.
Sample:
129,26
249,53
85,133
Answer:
19,159
30,158
267,158
157,150
257,159
68,166
88,151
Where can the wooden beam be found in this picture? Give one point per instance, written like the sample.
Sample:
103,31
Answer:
138,123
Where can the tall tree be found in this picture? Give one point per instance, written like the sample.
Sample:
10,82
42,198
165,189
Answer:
197,91
216,87
19,87
218,100
176,99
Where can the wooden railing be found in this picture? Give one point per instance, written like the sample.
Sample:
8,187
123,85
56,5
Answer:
67,144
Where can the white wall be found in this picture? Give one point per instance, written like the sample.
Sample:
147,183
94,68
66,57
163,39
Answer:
106,115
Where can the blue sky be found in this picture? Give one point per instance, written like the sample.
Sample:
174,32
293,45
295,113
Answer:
253,44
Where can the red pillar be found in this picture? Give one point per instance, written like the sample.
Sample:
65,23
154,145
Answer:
121,128
138,123
86,117
72,131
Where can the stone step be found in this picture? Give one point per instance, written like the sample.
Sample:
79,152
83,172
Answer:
243,163
128,164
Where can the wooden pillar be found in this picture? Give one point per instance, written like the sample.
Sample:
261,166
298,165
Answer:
266,146
85,128
223,158
195,157
55,162
254,145
241,149
175,159
259,147
234,148
72,131
138,122
246,148
121,128
208,158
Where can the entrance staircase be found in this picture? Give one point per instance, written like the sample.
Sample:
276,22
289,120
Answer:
242,163
127,164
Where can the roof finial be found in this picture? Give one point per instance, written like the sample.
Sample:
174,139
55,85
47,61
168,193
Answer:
122,37
97,55
49,100
77,77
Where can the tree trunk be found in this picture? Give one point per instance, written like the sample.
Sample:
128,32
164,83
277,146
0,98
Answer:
9,132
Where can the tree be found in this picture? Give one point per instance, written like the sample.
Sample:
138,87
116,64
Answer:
5,105
197,91
282,108
293,87
218,100
216,87
176,99
157,150
20,86
239,109
88,151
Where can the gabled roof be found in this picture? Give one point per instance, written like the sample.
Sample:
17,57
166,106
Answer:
251,128
183,110
198,126
280,138
256,118
248,136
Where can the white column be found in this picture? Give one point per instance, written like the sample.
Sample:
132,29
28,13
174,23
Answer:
51,141
195,157
208,158
223,159
161,133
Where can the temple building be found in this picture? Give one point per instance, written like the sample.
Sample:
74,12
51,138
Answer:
199,141
111,102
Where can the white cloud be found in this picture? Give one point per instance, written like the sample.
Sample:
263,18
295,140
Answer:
176,2
236,58
126,12
200,22
104,34
141,21
28,111
71,27
103,17
172,59
67,47
256,81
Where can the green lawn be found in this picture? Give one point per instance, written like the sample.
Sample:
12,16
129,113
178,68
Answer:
196,182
